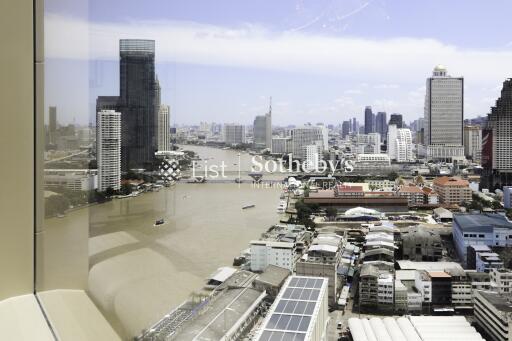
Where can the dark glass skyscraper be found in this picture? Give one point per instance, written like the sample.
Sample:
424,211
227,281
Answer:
397,120
138,102
368,120
381,124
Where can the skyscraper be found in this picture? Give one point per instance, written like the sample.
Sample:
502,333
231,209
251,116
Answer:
164,133
444,116
397,120
355,126
400,144
381,125
263,129
52,125
234,134
368,120
345,129
496,142
108,149
139,103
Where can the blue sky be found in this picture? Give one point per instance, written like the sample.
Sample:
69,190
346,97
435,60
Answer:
321,61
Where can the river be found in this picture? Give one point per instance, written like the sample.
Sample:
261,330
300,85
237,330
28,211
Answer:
138,272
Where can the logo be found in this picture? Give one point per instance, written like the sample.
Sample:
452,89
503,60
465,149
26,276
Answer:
170,170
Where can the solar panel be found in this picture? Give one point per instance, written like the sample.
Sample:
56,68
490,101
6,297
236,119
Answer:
296,293
280,306
273,321
310,307
300,308
288,293
305,294
302,282
314,295
294,323
304,323
318,283
290,307
283,322
311,283
293,282
276,336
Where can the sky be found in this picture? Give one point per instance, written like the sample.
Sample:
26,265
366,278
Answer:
320,60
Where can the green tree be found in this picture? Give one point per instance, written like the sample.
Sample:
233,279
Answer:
109,192
126,189
55,204
331,212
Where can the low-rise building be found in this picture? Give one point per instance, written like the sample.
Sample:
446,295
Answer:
265,253
271,280
452,190
501,281
413,194
71,179
493,314
300,311
489,229
421,244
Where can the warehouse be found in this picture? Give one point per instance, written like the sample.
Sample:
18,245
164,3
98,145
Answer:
413,328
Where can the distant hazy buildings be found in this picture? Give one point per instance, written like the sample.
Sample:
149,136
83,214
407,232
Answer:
139,103
262,130
164,133
281,145
369,119
52,125
306,136
108,152
497,141
400,144
312,157
444,115
234,133
473,142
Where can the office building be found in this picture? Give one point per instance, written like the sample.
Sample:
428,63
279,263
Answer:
496,143
281,145
306,136
355,125
164,132
312,157
452,190
501,280
345,129
480,229
234,134
381,125
396,119
300,311
108,149
444,116
139,103
262,130
493,314
473,142
368,120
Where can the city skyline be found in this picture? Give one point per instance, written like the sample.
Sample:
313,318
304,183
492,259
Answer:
219,67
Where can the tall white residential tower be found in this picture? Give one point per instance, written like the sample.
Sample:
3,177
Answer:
108,149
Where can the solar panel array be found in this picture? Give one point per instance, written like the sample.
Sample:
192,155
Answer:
292,315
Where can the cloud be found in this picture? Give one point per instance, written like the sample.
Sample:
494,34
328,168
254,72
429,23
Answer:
252,46
386,86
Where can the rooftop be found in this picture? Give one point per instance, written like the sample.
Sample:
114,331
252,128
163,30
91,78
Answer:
481,221
500,302
273,275
450,181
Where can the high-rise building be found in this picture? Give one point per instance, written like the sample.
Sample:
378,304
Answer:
139,103
497,142
52,125
108,149
305,136
381,125
396,119
325,136
345,129
164,132
400,144
234,133
262,130
368,120
355,126
473,142
444,114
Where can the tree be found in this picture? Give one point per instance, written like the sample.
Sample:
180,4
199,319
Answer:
126,189
109,192
331,212
419,180
392,176
55,204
